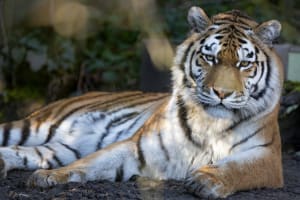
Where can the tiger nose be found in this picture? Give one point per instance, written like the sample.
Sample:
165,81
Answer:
222,93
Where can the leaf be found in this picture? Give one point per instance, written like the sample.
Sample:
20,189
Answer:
33,44
109,76
18,54
96,64
51,64
36,60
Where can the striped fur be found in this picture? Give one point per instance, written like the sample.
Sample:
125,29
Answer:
218,129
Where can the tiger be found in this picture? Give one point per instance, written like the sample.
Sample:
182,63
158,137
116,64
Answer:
216,131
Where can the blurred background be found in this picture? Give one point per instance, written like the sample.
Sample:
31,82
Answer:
52,49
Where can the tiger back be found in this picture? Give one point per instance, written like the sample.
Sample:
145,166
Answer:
217,131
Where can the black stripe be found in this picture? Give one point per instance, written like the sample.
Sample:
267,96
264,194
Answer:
183,60
115,100
71,101
185,55
99,145
40,119
53,127
267,79
231,29
254,73
25,162
242,41
265,144
223,31
229,20
50,166
76,153
219,37
57,160
119,174
121,119
268,71
262,71
202,40
17,149
236,124
245,27
141,157
120,133
40,155
258,95
183,120
136,104
191,64
25,131
245,139
52,131
6,133
256,50
238,33
193,160
162,146
110,124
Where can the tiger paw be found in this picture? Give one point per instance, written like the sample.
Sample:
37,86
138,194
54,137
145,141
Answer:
47,178
206,183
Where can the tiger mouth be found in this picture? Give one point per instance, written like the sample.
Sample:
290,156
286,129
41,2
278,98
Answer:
225,103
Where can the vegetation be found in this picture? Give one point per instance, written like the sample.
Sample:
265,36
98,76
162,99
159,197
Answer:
36,62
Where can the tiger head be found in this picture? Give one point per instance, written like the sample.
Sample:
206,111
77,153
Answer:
228,65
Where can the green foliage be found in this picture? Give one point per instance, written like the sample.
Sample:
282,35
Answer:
21,94
290,86
286,11
116,55
34,57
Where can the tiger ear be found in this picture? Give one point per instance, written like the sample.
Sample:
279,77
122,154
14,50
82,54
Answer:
268,31
198,20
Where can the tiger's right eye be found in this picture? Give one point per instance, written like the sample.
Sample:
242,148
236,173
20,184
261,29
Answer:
244,63
209,58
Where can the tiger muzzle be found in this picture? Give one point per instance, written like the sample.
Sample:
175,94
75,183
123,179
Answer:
224,80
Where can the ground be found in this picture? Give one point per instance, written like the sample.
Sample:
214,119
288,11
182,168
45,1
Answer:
14,187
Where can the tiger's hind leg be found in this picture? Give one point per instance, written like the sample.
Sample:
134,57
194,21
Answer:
118,162
48,156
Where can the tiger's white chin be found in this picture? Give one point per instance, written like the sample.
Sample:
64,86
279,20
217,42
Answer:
219,111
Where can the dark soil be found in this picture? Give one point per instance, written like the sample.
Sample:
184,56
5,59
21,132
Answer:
14,187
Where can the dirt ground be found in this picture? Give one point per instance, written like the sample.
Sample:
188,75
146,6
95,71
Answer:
13,187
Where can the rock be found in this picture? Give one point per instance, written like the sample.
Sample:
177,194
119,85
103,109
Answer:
297,156
291,98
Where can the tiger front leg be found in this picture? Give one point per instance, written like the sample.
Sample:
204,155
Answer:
117,162
242,171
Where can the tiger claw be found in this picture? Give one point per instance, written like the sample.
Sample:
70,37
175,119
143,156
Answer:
206,186
48,178
45,178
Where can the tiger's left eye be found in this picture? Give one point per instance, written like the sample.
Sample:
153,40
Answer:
244,63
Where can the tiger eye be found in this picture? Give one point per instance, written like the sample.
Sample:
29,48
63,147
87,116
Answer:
209,57
244,63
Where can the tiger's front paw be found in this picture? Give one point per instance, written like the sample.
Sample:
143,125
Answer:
47,178
207,183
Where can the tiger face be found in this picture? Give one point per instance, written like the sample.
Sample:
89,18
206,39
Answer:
228,64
